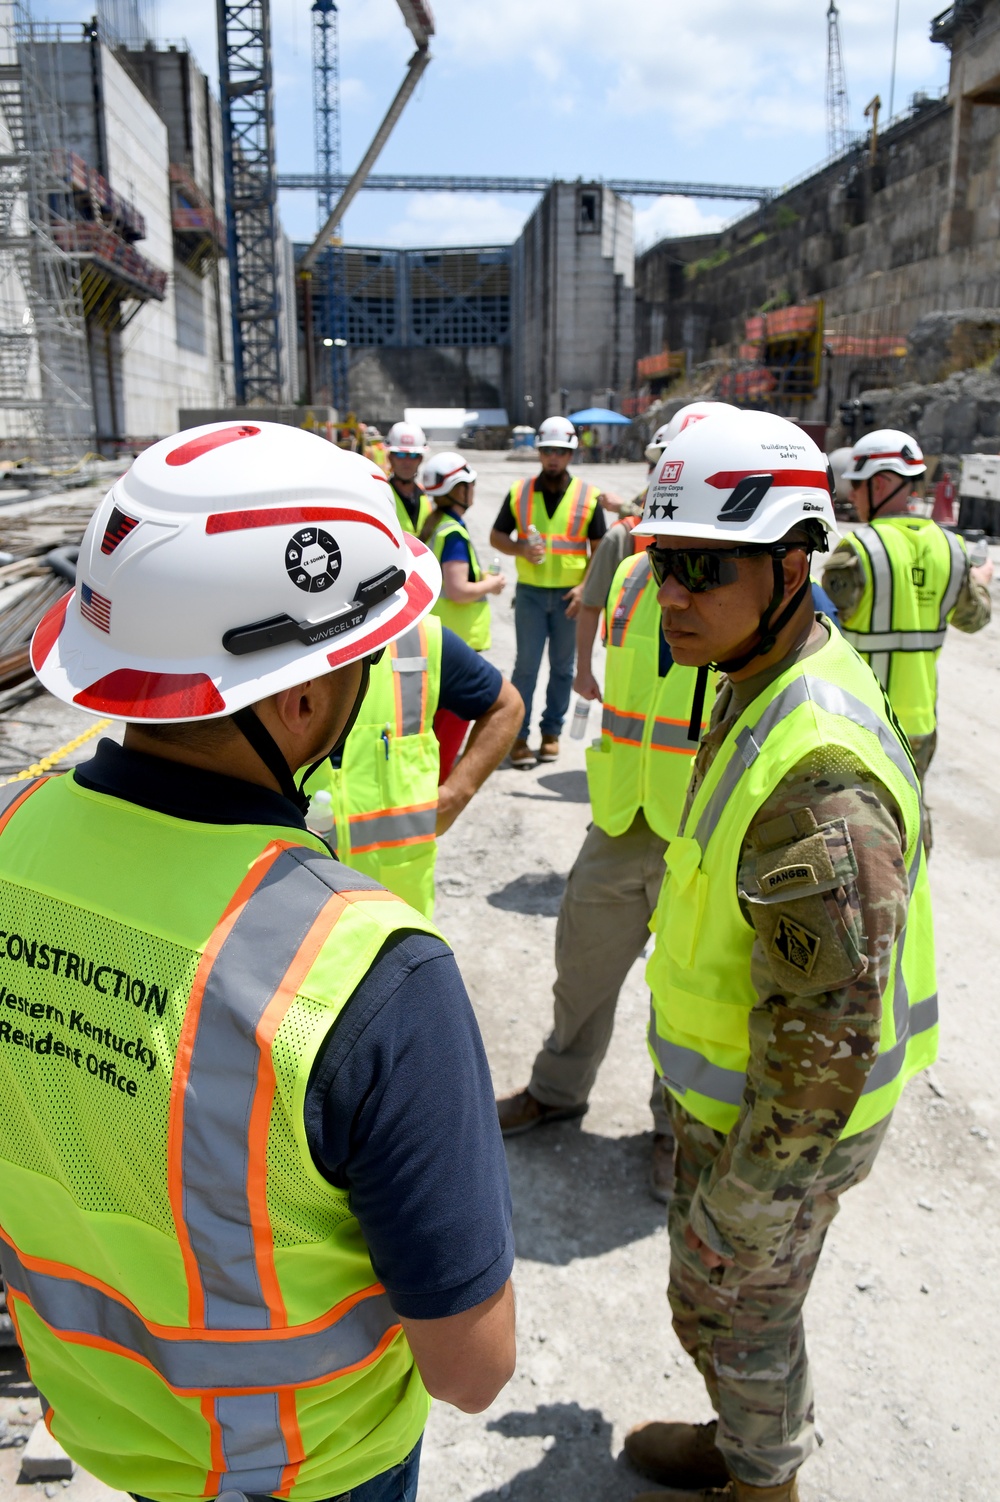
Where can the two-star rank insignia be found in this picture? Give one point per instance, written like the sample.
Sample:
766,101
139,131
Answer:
796,945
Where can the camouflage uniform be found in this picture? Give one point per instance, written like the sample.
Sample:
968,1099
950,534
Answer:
764,1195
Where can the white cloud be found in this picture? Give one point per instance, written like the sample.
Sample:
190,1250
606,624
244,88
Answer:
458,219
667,217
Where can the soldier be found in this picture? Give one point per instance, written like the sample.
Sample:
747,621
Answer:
899,581
792,998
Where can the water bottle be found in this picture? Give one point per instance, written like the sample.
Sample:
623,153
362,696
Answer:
979,549
494,567
320,817
533,537
581,714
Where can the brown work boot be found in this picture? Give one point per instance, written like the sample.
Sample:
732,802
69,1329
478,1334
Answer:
733,1491
519,1113
661,1168
677,1455
522,756
549,749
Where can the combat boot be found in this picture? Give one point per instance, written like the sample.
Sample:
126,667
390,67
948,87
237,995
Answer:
733,1491
677,1455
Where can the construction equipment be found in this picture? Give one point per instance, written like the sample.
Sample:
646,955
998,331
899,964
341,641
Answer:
420,23
837,130
872,109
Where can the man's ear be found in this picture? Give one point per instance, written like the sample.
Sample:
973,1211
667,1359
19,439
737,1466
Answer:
295,707
796,569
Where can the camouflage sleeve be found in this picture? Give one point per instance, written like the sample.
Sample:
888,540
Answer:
974,606
823,881
614,546
844,580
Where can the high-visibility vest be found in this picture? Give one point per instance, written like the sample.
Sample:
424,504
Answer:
699,973
470,621
643,758
424,508
914,573
195,1301
564,533
385,792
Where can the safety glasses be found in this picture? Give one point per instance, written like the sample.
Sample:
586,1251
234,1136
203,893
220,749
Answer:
702,569
407,454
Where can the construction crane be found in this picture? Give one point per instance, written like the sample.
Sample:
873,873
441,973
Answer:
420,23
837,130
245,95
326,118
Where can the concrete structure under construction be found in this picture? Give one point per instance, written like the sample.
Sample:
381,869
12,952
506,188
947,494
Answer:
544,325
898,228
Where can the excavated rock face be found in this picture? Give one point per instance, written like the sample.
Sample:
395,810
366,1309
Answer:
960,415
943,343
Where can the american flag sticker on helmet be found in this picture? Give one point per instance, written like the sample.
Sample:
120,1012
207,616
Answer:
95,608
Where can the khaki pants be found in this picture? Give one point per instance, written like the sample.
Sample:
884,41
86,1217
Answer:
602,929
744,1330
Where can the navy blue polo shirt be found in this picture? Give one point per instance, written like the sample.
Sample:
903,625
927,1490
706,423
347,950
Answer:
399,1110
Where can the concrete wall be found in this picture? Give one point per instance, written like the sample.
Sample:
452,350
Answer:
384,381
573,302
883,243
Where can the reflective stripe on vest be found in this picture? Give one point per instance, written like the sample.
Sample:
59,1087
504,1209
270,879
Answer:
567,546
400,826
625,607
880,641
686,1069
409,667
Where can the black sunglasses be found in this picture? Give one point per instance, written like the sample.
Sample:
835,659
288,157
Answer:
702,569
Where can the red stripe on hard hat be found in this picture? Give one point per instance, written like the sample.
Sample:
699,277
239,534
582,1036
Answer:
208,441
418,595
448,474
47,631
863,458
289,516
728,479
136,695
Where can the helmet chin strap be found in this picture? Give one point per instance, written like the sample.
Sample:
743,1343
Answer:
768,629
874,510
253,729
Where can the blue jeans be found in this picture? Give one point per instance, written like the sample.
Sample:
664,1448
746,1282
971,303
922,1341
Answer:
396,1485
540,617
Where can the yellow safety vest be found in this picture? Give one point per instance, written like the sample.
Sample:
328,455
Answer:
914,572
470,621
424,508
195,1301
385,792
699,973
564,533
643,758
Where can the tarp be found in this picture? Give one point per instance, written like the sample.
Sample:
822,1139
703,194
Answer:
599,416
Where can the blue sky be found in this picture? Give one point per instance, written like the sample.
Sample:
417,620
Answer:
715,91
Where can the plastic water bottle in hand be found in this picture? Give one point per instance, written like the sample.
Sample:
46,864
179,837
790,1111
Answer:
320,818
494,567
536,543
581,714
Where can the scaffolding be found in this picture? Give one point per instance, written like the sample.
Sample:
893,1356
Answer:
46,404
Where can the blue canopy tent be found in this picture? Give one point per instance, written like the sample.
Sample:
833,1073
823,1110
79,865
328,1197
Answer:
599,415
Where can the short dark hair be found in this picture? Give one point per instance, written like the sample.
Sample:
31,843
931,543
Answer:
194,735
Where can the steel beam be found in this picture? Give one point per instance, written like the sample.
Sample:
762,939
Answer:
426,183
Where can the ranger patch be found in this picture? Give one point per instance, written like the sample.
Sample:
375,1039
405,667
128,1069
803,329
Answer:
796,945
786,876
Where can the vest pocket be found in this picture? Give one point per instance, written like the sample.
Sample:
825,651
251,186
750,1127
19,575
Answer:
684,894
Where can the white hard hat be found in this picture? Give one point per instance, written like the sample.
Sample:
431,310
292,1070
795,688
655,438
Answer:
406,438
445,471
749,476
230,562
556,433
890,449
693,412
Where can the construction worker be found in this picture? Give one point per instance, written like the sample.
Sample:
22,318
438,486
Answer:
388,800
793,985
637,774
898,581
550,523
462,604
407,447
246,1079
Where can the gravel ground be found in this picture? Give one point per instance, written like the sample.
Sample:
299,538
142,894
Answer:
903,1320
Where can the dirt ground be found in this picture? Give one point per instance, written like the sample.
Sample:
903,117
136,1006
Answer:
903,1320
